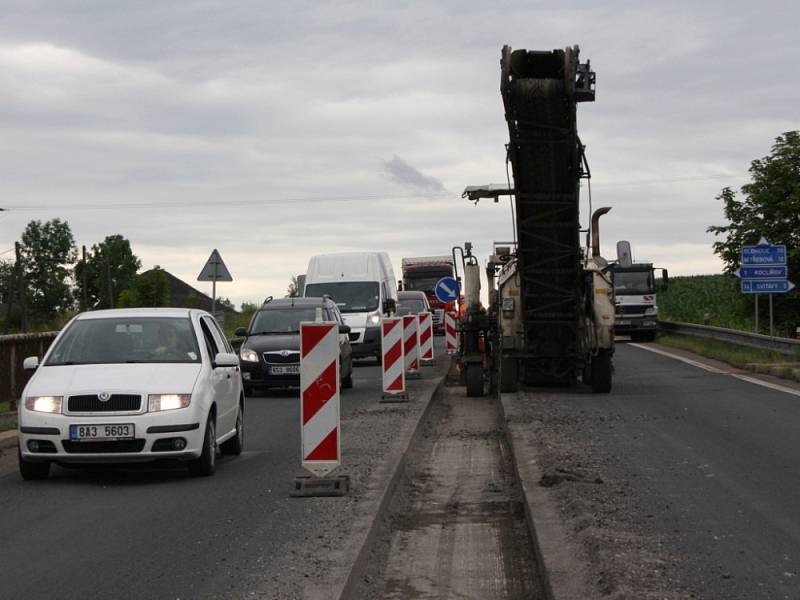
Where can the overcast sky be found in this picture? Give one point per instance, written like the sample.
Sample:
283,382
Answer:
278,130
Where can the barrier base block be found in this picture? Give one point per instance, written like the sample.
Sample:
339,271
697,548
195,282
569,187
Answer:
398,397
307,487
427,362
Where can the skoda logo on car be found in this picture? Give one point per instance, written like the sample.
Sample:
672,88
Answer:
103,396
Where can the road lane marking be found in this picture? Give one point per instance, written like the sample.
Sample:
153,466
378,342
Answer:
688,361
767,384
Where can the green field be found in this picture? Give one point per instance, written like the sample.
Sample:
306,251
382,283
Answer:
690,298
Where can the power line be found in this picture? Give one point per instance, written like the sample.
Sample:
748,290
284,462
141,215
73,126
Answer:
216,203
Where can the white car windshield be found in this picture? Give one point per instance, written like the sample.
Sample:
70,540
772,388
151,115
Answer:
410,307
126,340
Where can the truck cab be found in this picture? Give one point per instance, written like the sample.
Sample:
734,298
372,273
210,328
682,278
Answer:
635,300
421,275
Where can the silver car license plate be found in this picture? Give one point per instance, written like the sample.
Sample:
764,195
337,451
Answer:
285,370
101,433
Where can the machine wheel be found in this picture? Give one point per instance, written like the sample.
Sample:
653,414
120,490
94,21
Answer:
509,374
32,470
601,373
474,376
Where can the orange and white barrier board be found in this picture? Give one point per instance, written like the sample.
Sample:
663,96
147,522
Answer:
450,334
394,373
411,346
426,338
319,397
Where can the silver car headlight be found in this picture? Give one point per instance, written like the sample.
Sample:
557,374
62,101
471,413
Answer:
650,310
158,402
374,320
248,355
45,404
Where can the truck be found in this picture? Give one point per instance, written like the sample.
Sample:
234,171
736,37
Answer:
551,297
421,274
635,295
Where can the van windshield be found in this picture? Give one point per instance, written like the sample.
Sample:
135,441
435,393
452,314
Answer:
349,296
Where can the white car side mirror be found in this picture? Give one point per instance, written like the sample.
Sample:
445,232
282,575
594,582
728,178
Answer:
31,363
226,359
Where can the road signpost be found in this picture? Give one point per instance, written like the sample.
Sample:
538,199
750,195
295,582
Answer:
214,270
763,271
446,289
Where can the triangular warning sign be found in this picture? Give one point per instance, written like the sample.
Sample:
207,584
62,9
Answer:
215,269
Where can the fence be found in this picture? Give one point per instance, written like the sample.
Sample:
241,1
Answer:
13,350
786,346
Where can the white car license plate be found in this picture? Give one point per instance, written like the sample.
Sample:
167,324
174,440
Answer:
287,370
101,433
623,322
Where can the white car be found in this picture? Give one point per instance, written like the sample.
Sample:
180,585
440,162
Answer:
132,385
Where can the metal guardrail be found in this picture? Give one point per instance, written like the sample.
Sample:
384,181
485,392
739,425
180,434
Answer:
786,346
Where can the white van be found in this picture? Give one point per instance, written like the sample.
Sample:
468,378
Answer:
362,285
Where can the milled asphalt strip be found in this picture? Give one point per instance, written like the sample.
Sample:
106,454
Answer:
767,384
565,576
374,508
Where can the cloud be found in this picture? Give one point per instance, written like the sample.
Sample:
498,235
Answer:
256,130
399,171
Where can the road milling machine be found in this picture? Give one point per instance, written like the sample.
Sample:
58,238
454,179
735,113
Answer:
551,299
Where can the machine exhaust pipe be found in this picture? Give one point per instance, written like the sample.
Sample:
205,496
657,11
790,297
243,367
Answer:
596,229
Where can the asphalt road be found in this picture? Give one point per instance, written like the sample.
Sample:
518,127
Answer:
699,479
157,533
720,458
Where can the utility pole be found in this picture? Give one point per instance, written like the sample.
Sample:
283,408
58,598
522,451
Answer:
84,302
21,286
110,287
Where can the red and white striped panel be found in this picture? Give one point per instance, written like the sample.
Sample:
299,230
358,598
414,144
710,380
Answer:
426,336
450,332
411,342
394,375
319,397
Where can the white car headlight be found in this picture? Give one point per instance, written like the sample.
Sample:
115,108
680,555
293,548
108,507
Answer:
248,355
157,402
374,320
651,310
46,404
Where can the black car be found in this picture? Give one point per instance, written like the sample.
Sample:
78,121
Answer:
270,354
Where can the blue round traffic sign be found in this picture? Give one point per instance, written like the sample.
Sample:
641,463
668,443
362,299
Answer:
446,289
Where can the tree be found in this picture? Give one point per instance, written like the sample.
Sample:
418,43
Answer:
152,288
222,301
111,263
292,291
148,289
47,251
769,207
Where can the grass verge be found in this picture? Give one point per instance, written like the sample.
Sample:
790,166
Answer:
737,356
8,420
